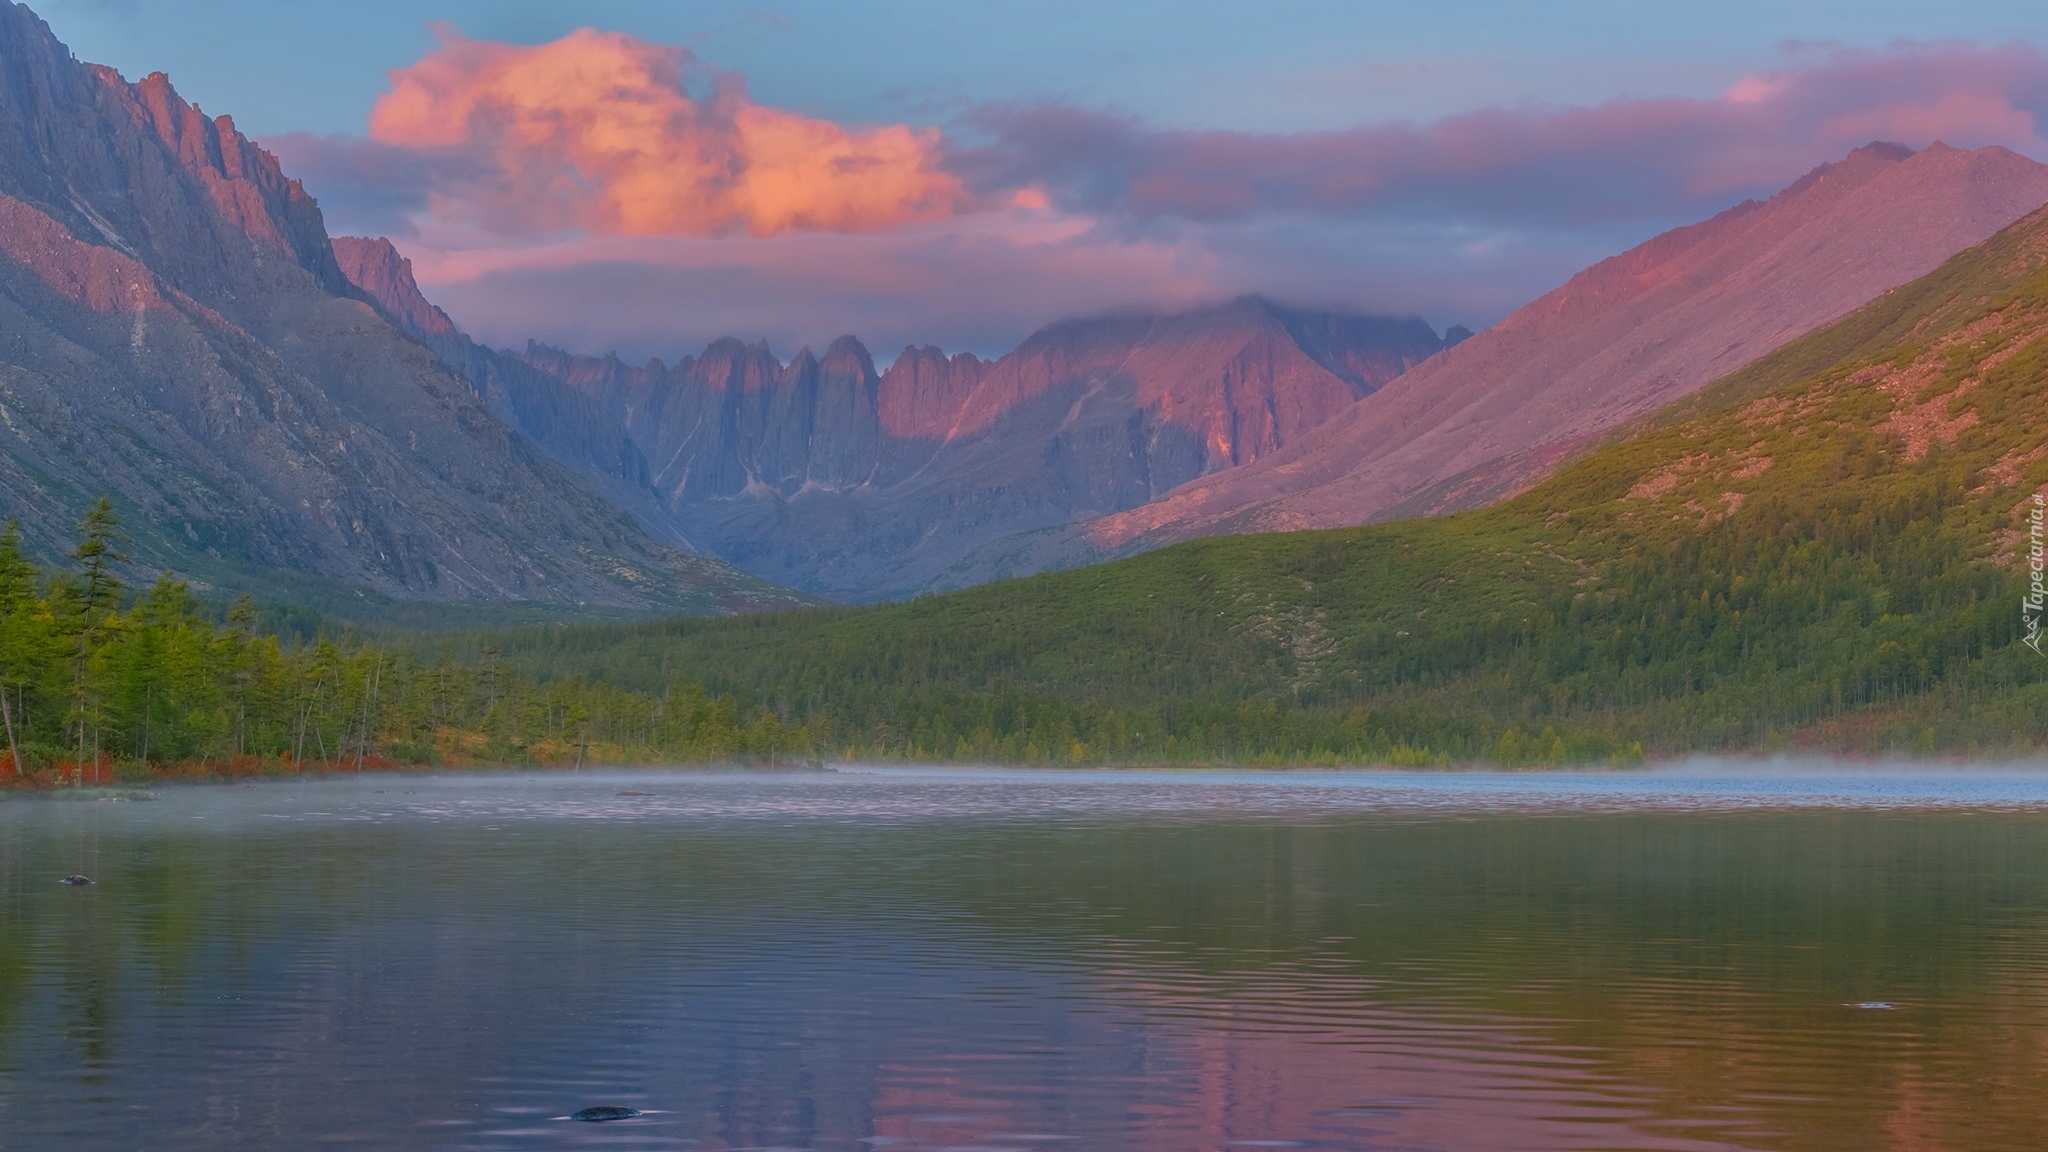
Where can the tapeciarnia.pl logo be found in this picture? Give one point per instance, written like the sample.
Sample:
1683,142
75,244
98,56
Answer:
2037,596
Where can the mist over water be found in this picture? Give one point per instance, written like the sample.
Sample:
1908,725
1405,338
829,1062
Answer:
1710,956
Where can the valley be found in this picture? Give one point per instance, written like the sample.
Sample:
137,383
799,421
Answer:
1756,483
1822,550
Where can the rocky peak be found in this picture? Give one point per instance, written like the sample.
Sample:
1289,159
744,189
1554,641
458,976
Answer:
1240,378
376,267
137,168
1860,162
924,389
590,373
247,185
848,357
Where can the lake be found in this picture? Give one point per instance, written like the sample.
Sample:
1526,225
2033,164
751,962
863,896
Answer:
1700,957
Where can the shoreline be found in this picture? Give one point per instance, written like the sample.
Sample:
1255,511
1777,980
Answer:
1776,766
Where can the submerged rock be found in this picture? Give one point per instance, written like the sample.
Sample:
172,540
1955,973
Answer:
76,881
603,1112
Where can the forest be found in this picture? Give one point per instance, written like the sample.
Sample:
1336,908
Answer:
1852,624
102,683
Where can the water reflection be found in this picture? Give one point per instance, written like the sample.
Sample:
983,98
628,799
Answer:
918,960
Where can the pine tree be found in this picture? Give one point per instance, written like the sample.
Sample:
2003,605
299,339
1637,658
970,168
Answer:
98,596
24,636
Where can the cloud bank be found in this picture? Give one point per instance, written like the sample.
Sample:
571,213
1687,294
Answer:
1528,166
518,176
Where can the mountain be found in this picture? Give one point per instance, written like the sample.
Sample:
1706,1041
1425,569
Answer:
829,476
377,268
825,474
567,423
1832,548
1618,340
176,332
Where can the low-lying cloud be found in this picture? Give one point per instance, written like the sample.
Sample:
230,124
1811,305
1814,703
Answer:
511,172
1526,167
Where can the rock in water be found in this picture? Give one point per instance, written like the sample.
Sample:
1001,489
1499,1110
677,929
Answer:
604,1112
76,881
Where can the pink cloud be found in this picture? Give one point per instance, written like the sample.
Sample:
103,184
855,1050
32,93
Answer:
606,186
598,133
1626,158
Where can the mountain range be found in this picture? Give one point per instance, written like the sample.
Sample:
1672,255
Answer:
1110,435
827,475
278,411
1835,547
1617,341
175,332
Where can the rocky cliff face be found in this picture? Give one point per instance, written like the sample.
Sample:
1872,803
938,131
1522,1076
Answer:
941,470
1621,339
923,387
175,331
575,426
376,267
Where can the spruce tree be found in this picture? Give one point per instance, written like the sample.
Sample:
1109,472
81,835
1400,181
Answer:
24,636
99,588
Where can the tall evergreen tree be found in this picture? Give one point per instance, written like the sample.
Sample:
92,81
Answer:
24,636
98,557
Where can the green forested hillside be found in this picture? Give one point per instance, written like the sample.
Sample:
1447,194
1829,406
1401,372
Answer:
1824,549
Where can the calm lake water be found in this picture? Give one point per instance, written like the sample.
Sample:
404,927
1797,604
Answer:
1699,958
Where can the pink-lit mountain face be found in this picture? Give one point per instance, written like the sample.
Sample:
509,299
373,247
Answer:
376,267
828,475
1617,341
176,332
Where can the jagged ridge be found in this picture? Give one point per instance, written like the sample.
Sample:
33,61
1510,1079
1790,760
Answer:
828,475
179,334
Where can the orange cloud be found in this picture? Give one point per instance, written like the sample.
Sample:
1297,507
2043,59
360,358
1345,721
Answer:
598,132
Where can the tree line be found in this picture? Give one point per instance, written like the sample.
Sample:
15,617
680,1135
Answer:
1852,622
100,681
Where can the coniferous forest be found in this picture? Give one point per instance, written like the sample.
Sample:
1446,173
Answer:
101,682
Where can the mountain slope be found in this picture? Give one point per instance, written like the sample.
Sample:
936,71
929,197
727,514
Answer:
1828,548
175,331
1620,339
570,425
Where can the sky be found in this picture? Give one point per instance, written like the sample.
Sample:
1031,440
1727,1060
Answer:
644,176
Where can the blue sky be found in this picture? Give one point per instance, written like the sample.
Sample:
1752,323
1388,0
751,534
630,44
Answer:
1072,156
316,65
